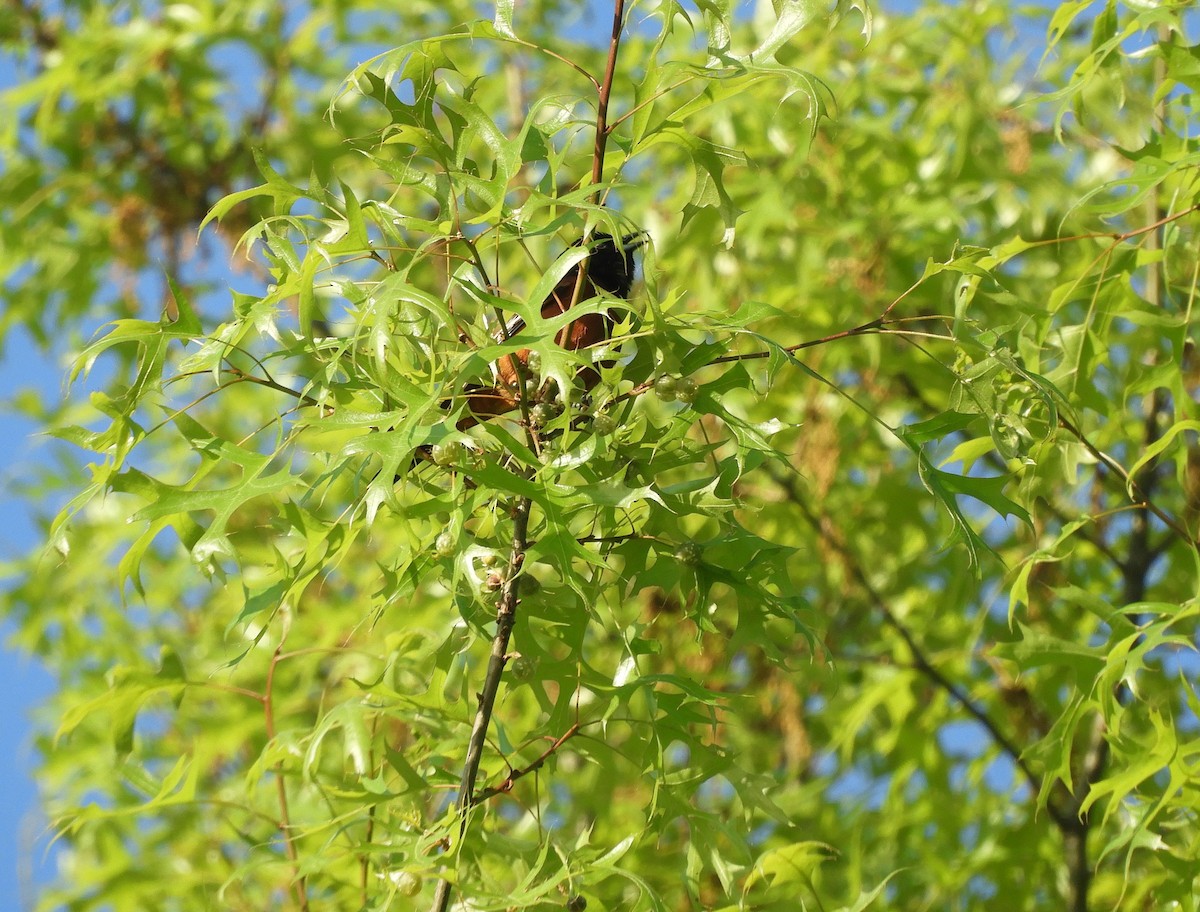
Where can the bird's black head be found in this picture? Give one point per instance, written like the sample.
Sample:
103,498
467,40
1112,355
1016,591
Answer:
610,265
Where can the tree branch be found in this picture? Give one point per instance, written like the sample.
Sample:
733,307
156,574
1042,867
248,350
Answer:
1139,560
506,614
605,94
826,529
521,772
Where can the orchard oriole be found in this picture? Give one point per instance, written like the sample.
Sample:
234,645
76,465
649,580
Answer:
610,270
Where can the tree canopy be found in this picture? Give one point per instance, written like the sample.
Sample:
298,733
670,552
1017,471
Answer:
860,572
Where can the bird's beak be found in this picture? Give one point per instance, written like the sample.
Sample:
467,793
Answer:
632,242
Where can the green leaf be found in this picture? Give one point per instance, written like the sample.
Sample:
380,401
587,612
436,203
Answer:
792,864
504,17
1035,648
791,17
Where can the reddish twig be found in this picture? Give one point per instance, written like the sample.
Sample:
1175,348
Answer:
605,93
521,772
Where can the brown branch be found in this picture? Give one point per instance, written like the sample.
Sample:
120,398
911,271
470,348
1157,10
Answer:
521,772
506,611
506,614
825,528
1119,238
605,94
1139,560
874,326
881,323
1158,223
864,329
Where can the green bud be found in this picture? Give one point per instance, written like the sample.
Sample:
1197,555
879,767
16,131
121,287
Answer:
408,884
603,423
523,668
444,545
448,453
689,553
686,390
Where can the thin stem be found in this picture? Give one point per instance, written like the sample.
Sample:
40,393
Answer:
1114,236
649,101
517,774
605,94
872,327
875,326
271,384
365,861
559,57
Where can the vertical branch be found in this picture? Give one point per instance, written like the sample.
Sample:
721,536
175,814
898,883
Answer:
506,611
604,93
1139,558
506,614
610,69
1079,872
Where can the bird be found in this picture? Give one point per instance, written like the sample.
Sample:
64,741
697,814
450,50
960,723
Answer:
610,269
